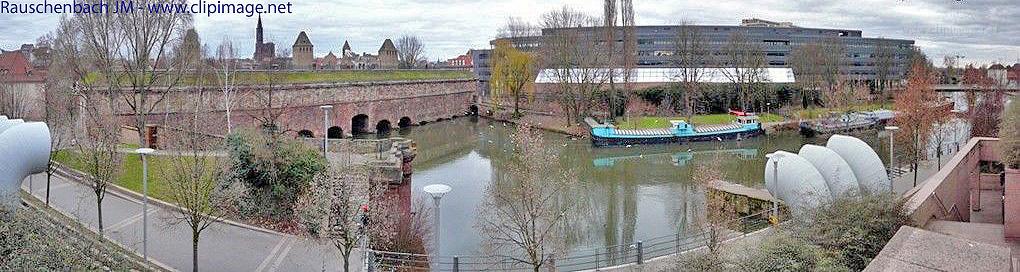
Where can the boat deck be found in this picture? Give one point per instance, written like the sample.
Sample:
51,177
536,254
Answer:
716,128
645,132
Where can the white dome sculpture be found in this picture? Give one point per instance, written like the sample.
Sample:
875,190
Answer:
837,173
24,150
865,163
798,184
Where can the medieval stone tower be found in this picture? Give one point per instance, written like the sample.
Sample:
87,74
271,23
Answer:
303,53
387,55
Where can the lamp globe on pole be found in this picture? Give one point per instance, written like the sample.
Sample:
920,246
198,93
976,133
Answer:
144,152
437,191
325,127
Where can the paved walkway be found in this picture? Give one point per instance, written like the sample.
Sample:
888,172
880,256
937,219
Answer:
223,247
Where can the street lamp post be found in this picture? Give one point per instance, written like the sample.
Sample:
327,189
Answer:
775,178
892,158
143,152
437,191
325,128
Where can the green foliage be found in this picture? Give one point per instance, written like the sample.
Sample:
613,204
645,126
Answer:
856,228
1009,134
275,171
513,74
783,252
699,262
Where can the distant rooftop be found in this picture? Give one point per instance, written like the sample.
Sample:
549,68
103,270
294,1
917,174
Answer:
755,22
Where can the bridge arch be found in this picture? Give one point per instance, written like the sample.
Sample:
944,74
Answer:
304,133
359,123
335,132
404,122
383,126
473,110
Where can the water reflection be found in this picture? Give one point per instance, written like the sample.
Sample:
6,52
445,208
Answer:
630,193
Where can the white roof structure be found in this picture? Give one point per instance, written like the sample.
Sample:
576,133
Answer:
866,164
799,184
661,75
24,150
837,173
820,174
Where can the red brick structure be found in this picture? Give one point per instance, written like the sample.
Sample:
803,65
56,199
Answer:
366,107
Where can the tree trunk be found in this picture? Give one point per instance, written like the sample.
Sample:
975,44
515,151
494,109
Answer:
99,210
49,176
517,105
194,249
917,157
346,254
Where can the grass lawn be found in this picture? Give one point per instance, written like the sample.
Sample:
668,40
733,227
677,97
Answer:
330,76
644,122
130,173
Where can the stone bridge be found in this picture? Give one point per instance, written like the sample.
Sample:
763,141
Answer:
368,107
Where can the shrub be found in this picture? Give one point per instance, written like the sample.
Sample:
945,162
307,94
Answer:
275,171
855,228
699,262
783,252
1009,134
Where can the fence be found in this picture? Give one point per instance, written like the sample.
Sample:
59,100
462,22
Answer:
582,259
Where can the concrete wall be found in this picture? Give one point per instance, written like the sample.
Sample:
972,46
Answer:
952,185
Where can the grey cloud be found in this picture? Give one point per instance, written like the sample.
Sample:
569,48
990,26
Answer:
983,31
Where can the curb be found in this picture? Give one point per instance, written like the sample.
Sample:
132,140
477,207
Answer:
127,194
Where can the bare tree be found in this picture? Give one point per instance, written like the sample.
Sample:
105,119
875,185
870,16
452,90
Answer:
884,61
574,60
13,103
270,104
226,65
517,31
144,59
410,51
818,68
97,149
191,178
87,44
719,215
689,58
746,65
414,228
60,109
343,205
845,94
522,216
951,69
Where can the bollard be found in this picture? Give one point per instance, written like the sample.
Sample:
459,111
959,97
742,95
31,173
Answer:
456,264
370,262
640,255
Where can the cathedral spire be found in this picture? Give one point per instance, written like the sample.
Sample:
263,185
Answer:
258,32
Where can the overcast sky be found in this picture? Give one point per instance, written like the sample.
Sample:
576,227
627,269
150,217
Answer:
981,31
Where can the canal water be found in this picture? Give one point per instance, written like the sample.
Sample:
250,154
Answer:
631,194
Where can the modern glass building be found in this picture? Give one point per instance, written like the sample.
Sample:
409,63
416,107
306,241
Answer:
655,46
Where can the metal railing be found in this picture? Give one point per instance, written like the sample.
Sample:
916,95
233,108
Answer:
579,259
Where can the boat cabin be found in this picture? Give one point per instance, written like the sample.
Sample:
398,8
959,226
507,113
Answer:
747,119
